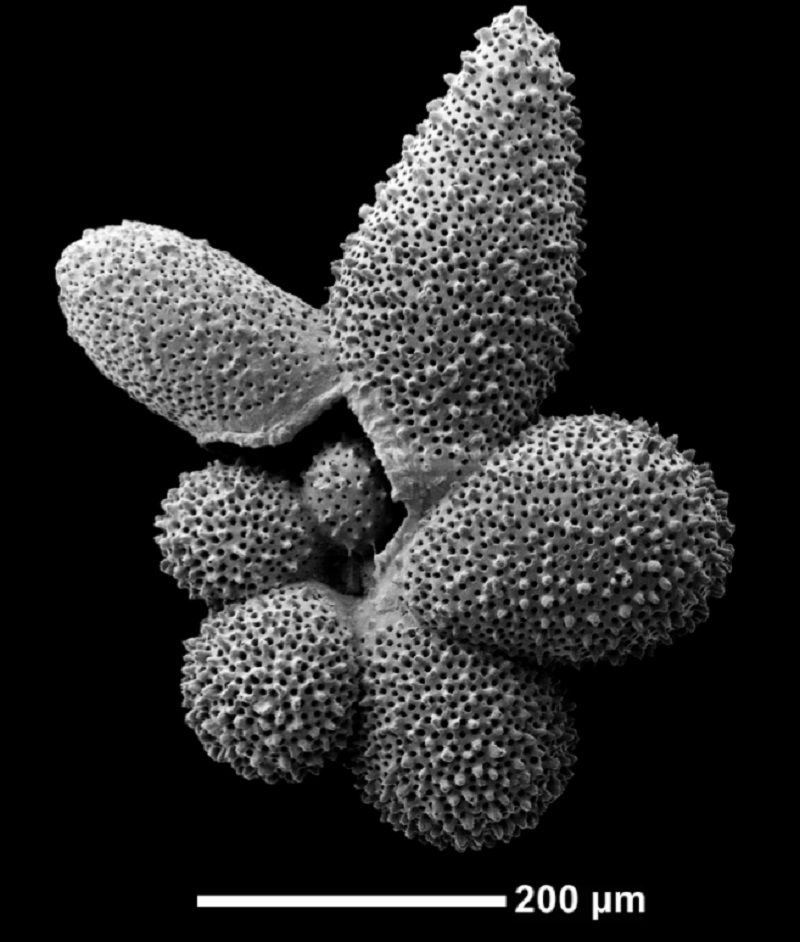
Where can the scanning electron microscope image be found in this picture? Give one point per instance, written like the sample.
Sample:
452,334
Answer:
408,607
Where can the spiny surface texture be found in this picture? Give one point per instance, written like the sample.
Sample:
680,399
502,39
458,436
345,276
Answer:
346,495
270,684
455,748
196,335
230,532
453,306
526,542
588,538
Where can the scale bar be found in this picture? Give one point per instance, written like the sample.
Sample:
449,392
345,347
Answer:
352,902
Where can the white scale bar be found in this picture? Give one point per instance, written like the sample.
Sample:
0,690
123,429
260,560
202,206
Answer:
352,902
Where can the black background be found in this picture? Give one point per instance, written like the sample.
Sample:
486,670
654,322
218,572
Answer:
264,134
